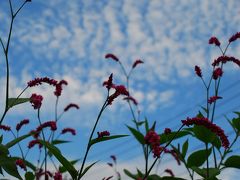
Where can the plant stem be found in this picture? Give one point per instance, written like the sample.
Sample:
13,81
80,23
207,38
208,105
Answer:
90,138
207,160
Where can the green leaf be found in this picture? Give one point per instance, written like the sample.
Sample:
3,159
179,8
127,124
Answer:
29,176
3,150
59,141
27,163
15,101
8,164
139,123
153,126
217,143
57,153
233,161
203,134
97,140
185,148
204,109
1,139
17,140
154,177
213,172
129,174
63,169
139,173
138,135
87,168
236,123
197,158
165,138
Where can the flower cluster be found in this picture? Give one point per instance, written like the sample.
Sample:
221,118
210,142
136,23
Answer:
137,62
109,84
58,90
214,40
36,101
225,59
33,143
5,128
39,81
217,73
21,164
119,90
213,99
202,121
234,37
23,122
132,99
167,131
198,71
103,134
153,139
57,176
112,56
70,130
71,105
51,124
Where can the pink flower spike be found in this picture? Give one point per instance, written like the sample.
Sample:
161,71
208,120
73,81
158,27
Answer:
57,176
5,128
20,163
71,105
36,101
198,71
39,81
130,98
213,99
111,56
103,134
33,143
167,131
214,40
109,83
137,62
234,37
23,122
70,130
169,171
217,73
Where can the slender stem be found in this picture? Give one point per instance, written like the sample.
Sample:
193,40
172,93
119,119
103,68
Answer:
90,138
146,163
150,169
207,160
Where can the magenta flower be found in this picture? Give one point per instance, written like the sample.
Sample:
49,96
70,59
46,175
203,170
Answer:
23,122
36,101
202,121
213,99
198,71
167,131
217,73
69,130
33,143
39,81
71,105
234,37
5,128
109,83
214,40
103,134
58,88
137,62
130,98
21,164
57,176
111,56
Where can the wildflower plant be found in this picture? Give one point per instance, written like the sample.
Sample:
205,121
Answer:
155,142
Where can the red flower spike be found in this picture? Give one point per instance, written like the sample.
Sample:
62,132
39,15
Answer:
36,101
39,81
109,83
169,171
5,128
174,154
20,163
225,59
70,130
130,98
71,105
137,62
58,89
111,56
23,122
234,37
119,90
51,124
198,71
57,176
213,99
217,73
153,139
103,134
33,143
214,40
202,121
167,131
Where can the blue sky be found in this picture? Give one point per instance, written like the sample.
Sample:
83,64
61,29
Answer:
69,39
